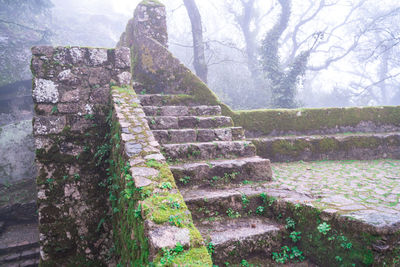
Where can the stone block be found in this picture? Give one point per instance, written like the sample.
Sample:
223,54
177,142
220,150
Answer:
161,236
48,125
45,91
122,58
98,56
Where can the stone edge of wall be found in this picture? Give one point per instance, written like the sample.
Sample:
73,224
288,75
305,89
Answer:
71,94
330,147
147,194
313,121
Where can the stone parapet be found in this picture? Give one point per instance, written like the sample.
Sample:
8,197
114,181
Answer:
152,223
71,92
352,146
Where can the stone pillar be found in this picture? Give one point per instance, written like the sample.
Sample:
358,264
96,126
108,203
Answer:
150,20
71,92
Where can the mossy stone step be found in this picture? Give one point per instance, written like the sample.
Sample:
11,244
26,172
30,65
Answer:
167,100
243,200
222,172
175,136
236,239
208,150
182,110
188,122
20,257
352,146
19,237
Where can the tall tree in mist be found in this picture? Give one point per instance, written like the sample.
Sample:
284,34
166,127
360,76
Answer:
199,60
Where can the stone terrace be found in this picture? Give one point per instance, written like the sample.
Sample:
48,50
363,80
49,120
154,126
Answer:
368,191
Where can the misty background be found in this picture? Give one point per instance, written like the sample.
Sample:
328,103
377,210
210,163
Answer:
257,54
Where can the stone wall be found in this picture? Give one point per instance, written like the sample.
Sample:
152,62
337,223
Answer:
152,223
280,122
329,147
71,92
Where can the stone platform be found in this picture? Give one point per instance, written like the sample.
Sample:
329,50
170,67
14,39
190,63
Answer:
368,191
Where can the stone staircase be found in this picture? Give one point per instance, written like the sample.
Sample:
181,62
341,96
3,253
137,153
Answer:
213,166
19,245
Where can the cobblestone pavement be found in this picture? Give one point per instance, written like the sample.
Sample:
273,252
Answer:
365,190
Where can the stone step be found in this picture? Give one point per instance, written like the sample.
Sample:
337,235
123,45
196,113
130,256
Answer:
240,238
182,110
240,201
18,238
167,100
222,172
351,146
17,258
208,151
198,135
23,263
185,122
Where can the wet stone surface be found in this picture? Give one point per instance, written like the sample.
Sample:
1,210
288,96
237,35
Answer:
368,191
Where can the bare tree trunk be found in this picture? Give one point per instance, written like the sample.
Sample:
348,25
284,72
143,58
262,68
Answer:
199,61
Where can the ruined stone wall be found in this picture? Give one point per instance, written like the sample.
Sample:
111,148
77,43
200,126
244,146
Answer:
71,92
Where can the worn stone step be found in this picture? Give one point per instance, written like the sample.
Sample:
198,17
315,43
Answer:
184,122
15,257
182,110
18,238
167,100
352,146
208,150
206,203
237,239
222,172
198,135
23,263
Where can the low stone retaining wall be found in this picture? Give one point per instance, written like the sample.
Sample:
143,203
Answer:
330,147
278,122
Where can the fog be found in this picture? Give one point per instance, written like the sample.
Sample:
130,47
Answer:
345,51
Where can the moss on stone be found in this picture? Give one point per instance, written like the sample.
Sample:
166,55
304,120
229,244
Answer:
194,257
267,121
151,3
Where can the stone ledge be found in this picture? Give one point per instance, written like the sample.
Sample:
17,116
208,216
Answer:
164,227
330,147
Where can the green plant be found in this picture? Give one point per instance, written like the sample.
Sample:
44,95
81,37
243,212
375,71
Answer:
287,254
174,204
143,92
338,259
290,223
244,263
260,210
166,185
245,201
295,236
170,254
100,224
210,248
185,179
54,110
176,220
77,177
344,242
230,176
232,214
89,116
324,228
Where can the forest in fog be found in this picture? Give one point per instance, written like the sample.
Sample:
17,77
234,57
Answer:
252,53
